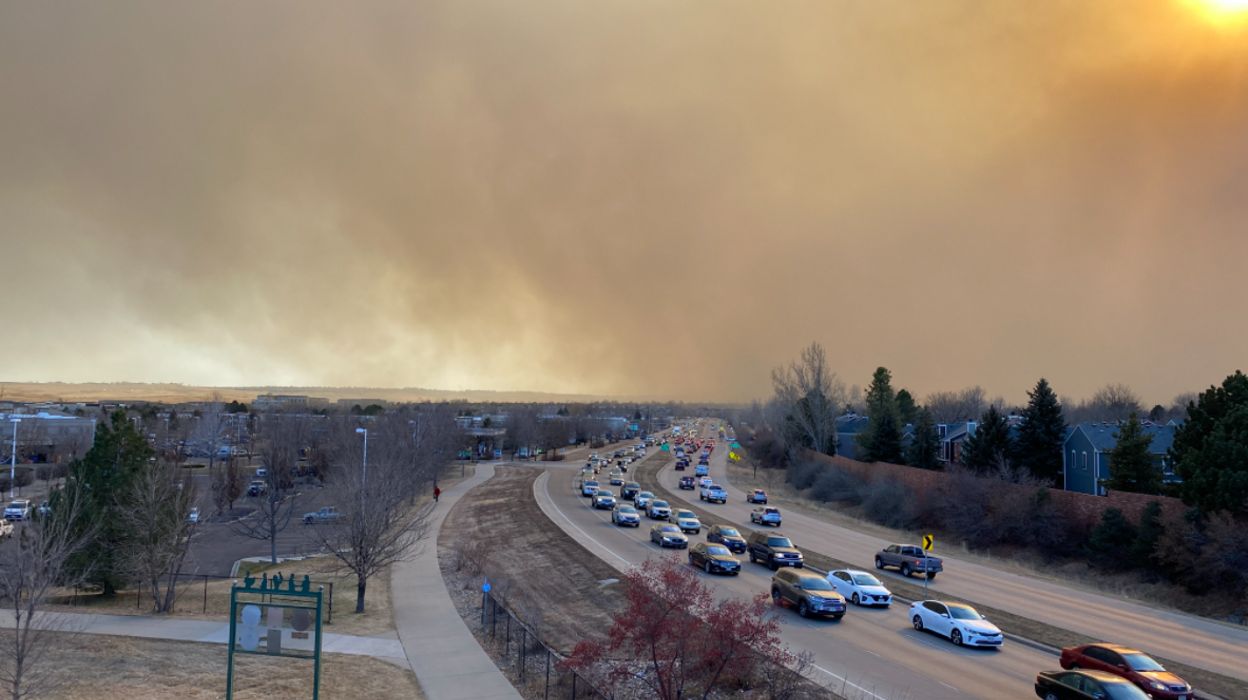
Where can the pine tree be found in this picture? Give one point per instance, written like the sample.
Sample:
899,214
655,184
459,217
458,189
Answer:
1040,437
907,409
989,448
101,478
924,449
881,441
1149,533
1210,450
1131,465
1111,541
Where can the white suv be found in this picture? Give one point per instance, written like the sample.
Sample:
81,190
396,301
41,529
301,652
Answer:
17,510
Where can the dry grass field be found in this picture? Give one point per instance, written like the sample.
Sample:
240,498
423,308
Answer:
92,667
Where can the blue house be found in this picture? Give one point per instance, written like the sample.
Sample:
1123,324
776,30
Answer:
1086,458
848,427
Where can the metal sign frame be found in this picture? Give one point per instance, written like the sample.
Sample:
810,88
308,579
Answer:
282,594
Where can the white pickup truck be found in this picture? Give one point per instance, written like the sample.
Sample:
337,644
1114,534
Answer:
713,493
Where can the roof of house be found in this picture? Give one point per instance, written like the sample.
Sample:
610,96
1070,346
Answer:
852,423
1103,436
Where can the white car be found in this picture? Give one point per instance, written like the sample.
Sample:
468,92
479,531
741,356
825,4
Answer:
642,499
193,516
860,587
589,488
704,481
658,510
960,623
17,510
686,521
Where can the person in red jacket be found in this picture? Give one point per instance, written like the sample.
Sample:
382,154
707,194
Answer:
436,492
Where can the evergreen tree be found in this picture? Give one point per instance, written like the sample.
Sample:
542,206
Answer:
1131,465
924,449
881,441
1210,450
101,479
1149,533
907,409
989,447
1110,544
1040,437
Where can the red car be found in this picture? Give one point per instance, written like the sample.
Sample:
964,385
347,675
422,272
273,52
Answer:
1132,664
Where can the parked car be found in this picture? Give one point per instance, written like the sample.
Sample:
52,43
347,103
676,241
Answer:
686,483
658,510
668,535
860,587
193,516
701,470
713,558
328,514
810,593
909,558
686,521
589,488
18,509
642,499
603,499
728,536
44,509
713,493
630,490
262,473
625,515
1085,685
1134,665
765,515
757,496
257,487
961,623
773,550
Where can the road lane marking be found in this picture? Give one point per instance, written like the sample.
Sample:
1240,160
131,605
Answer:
546,488
950,687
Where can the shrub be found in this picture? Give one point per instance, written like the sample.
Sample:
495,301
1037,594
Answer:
802,474
889,503
961,504
1109,546
836,485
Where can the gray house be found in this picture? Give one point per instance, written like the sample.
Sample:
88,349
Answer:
1086,458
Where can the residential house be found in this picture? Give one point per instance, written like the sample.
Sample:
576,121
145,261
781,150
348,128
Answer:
1086,454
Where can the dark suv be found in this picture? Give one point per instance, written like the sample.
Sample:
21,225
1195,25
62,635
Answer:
774,550
810,593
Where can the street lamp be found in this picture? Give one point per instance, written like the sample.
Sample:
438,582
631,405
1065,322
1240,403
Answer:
13,459
364,432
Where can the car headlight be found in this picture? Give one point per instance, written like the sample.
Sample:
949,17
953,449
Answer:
1157,685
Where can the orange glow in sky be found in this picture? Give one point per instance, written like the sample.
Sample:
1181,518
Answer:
1223,11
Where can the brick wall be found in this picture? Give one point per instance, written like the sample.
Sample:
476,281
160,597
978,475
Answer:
1079,507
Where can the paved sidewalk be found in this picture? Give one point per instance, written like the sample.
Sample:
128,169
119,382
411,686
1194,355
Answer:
210,631
446,658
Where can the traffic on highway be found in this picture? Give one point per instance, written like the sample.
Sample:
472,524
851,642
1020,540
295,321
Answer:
866,643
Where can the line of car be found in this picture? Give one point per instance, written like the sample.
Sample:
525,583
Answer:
1099,671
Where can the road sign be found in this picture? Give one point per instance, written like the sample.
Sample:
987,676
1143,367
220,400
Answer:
928,543
735,445
734,456
665,448
485,587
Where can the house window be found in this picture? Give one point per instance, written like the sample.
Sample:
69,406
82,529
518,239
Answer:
1083,461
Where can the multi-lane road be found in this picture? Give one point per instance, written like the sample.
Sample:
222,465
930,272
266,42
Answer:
875,653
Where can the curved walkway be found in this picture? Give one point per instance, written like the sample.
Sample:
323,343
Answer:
446,658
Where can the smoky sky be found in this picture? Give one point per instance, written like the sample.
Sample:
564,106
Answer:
627,197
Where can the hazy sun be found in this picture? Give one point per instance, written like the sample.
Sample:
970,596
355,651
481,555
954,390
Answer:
1224,10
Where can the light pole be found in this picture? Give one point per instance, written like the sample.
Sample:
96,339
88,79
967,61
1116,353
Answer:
364,478
13,459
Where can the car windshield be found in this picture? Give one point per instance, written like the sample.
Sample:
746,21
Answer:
669,528
729,532
717,551
771,511
1142,662
963,612
816,584
646,494
628,509
660,504
605,492
591,483
779,542
866,580
685,514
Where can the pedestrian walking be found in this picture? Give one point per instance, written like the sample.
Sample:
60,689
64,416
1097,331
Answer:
436,492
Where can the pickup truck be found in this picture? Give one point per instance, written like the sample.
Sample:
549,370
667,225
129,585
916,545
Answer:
713,493
328,514
909,558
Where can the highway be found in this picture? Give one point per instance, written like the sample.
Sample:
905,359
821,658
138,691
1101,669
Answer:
870,654
1185,638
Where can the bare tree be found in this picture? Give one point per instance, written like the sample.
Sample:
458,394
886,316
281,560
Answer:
812,396
285,435
378,525
227,486
154,513
956,406
32,563
1112,403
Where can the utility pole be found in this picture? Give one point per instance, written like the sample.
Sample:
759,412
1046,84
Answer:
13,459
